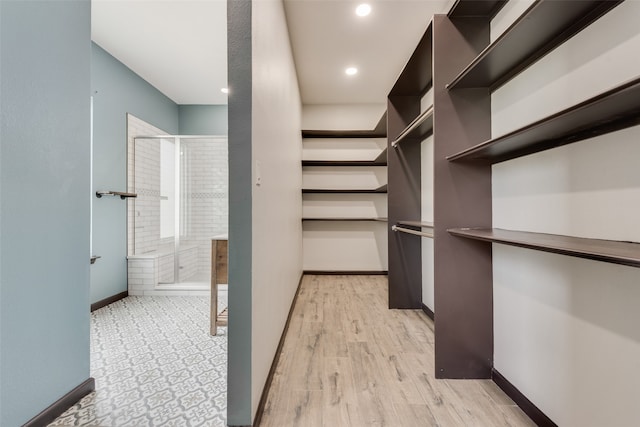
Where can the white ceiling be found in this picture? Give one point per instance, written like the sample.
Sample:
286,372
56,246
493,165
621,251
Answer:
327,37
179,46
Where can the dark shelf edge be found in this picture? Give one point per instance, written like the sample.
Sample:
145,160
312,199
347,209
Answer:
417,224
417,69
560,34
476,8
347,219
616,252
379,190
380,131
343,163
584,129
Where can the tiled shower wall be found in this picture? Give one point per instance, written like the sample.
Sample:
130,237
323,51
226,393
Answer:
204,210
143,212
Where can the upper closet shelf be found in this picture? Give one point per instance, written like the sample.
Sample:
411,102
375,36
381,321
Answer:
381,189
612,110
476,8
544,26
357,219
625,253
419,128
417,224
344,163
416,77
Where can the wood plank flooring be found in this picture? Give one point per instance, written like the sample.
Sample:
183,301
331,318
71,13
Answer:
349,361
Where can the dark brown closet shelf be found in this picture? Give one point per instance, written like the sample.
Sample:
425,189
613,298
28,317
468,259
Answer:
613,110
382,157
544,26
416,77
476,8
625,253
346,219
343,163
420,128
381,189
418,224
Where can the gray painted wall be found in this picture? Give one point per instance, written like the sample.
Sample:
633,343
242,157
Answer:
203,119
44,204
240,205
265,150
117,91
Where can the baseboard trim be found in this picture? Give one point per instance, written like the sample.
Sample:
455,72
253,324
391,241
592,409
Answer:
430,314
276,358
105,302
61,405
346,273
536,415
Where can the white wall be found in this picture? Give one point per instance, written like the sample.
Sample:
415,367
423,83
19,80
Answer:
426,183
277,201
344,246
342,116
566,329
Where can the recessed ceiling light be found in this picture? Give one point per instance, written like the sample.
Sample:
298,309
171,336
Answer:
351,71
363,10
224,90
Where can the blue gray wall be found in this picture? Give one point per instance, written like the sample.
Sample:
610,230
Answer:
117,91
203,119
44,204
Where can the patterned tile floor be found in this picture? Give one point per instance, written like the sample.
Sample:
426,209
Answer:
155,365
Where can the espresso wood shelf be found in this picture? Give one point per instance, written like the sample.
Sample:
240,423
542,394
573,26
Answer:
415,78
358,219
612,110
382,157
343,163
476,8
544,26
382,189
616,252
419,128
419,224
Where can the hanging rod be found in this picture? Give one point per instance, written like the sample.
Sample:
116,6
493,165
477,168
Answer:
122,195
409,231
413,125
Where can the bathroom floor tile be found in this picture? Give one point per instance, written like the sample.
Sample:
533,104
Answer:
155,364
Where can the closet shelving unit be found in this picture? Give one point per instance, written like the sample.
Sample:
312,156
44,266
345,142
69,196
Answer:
328,222
543,26
624,253
345,219
460,121
612,110
408,124
380,190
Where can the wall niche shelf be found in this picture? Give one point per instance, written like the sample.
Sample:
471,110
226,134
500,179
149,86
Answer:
417,224
360,219
476,8
612,110
616,252
375,162
382,189
420,128
544,26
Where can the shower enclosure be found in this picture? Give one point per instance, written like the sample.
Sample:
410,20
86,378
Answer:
182,203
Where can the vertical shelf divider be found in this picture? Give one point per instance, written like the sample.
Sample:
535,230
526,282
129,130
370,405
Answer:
462,195
404,201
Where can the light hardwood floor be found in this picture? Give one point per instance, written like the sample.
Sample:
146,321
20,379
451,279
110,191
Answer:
348,360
